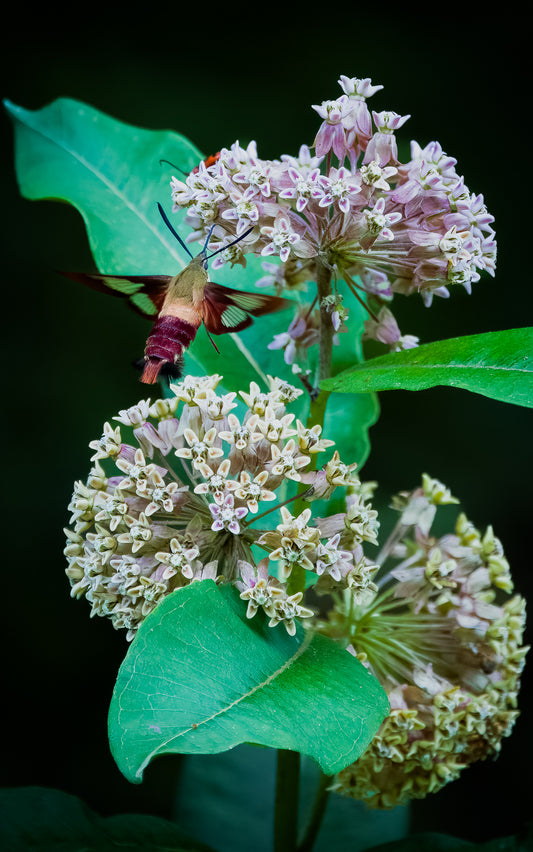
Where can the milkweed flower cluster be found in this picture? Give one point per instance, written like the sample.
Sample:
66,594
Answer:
379,225
448,651
200,491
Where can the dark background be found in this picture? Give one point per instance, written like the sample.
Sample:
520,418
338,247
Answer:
222,75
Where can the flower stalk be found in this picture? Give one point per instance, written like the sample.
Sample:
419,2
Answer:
317,815
323,283
286,801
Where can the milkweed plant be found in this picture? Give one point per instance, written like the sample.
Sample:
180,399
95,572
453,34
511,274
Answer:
225,525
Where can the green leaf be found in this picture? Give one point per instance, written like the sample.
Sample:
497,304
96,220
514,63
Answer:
200,678
496,364
111,173
45,820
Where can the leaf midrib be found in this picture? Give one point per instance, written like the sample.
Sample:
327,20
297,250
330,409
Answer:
487,367
288,663
100,176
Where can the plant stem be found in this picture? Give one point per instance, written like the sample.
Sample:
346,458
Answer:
319,809
323,284
279,505
288,769
286,806
317,411
394,537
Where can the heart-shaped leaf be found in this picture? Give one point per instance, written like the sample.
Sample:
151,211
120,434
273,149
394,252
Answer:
498,364
200,678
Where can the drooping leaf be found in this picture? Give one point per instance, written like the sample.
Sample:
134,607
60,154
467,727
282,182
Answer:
40,819
200,678
496,364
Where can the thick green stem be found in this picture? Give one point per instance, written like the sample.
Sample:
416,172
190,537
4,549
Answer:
286,806
288,772
317,411
319,809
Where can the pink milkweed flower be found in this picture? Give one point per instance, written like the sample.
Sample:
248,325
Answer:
282,239
256,174
245,212
305,162
382,146
361,131
397,227
338,118
302,333
340,186
386,330
301,187
471,213
355,87
378,222
227,516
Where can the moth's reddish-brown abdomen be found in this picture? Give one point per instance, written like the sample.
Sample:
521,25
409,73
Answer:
168,338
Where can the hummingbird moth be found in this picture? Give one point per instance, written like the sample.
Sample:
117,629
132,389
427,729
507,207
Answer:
180,304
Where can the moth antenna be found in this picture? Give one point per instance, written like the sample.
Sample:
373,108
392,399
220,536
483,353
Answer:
174,166
171,229
242,236
207,240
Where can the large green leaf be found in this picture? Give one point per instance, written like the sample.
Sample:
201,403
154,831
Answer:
497,364
200,678
111,172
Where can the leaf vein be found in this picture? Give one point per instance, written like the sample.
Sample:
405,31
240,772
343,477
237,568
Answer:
112,187
305,644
